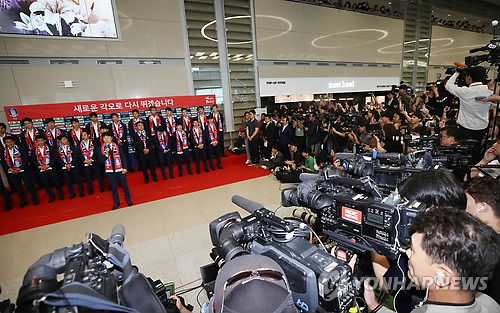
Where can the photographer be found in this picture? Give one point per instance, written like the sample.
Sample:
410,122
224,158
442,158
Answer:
299,132
405,99
308,162
473,114
437,189
449,249
389,132
490,158
483,202
450,136
364,137
296,159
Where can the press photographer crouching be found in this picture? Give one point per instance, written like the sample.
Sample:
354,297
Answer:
451,256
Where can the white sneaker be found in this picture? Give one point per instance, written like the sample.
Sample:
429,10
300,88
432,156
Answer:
247,162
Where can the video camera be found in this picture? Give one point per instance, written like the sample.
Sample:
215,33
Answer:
356,215
319,281
97,276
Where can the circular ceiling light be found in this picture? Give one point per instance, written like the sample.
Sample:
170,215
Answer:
383,32
289,28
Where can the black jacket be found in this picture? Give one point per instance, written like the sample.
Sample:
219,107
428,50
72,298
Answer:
53,161
285,137
74,155
156,142
270,133
139,144
24,158
203,137
102,157
123,139
89,129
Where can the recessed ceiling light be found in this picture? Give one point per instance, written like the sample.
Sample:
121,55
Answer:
390,2
199,54
449,14
203,57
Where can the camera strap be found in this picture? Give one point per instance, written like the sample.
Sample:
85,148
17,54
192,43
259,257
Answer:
77,294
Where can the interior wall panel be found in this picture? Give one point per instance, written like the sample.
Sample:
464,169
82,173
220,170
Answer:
269,71
40,84
8,89
296,31
33,47
150,81
147,38
3,49
160,10
453,45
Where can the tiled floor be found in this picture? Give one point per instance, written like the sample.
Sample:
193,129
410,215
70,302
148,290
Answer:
167,239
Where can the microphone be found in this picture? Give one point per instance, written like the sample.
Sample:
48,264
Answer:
306,177
261,213
248,205
117,235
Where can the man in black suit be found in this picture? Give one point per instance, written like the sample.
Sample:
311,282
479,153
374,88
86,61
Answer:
44,159
28,136
219,122
15,160
155,120
314,133
120,132
75,134
211,134
181,146
94,128
52,132
277,159
285,137
67,158
115,165
136,117
144,149
199,143
269,136
163,146
88,155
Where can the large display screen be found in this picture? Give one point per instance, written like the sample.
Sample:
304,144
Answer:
58,18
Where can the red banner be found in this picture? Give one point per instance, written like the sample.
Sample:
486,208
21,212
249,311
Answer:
39,111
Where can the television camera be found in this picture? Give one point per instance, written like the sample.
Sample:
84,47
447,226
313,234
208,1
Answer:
319,281
97,276
356,214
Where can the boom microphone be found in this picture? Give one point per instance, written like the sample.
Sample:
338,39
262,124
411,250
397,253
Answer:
117,235
247,205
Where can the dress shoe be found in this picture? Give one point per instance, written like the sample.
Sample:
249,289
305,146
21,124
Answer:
171,176
8,206
91,192
190,173
36,202
146,181
71,197
129,203
164,177
207,170
52,199
115,206
22,205
155,179
197,171
82,195
61,197
102,190
224,155
219,167
180,175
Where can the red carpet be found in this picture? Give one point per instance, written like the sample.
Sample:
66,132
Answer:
234,170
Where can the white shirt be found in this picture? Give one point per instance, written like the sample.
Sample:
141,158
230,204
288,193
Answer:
96,129
11,152
77,133
1,139
473,114
31,133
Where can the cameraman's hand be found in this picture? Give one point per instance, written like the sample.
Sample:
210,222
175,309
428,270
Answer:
179,305
489,155
369,295
446,109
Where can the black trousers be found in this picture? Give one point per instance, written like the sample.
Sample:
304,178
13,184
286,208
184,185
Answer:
147,162
90,171
124,148
214,152
220,140
16,181
114,178
475,135
5,195
165,159
186,156
48,179
72,176
254,149
200,154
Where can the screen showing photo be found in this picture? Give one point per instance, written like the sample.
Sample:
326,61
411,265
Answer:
62,18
